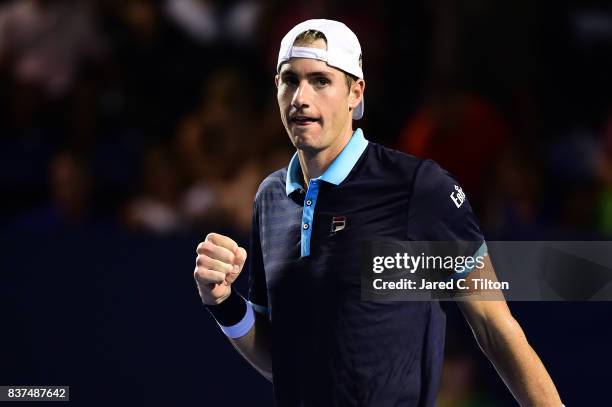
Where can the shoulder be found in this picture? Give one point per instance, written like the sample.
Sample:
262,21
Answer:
431,178
437,192
425,178
394,163
392,157
272,186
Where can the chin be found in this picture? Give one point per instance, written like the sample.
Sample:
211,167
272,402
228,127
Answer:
305,139
302,144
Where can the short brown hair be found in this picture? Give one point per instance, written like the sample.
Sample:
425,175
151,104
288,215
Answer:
310,36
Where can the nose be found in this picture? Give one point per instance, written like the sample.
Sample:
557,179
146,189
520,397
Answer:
301,96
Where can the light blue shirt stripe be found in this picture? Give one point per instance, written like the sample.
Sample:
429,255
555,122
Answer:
482,251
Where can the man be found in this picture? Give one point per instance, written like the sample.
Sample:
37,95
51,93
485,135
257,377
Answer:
305,327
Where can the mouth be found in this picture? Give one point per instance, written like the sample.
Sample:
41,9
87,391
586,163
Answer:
301,120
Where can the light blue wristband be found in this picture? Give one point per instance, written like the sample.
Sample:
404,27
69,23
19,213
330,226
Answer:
243,327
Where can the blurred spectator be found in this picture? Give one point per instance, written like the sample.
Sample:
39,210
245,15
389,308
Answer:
71,186
603,163
147,89
157,206
226,116
71,198
511,209
45,42
195,169
215,138
48,53
459,387
573,157
216,21
572,184
225,148
463,133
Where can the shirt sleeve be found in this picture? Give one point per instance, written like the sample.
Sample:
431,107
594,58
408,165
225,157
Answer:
258,292
440,211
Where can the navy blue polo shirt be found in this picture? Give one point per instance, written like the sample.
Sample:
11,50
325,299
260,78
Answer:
330,348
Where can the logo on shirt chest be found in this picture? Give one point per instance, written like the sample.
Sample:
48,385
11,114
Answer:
338,223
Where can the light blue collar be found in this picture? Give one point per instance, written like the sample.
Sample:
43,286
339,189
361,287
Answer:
339,168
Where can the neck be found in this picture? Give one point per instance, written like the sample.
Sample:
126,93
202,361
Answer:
314,163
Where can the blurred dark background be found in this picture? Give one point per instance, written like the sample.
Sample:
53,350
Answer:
130,129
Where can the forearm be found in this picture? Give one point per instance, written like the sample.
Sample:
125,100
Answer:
518,365
247,330
255,346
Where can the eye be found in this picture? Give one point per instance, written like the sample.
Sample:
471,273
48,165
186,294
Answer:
290,80
323,81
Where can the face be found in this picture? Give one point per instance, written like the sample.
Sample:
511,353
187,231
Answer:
314,102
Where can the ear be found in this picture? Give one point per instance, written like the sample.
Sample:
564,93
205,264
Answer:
276,79
356,94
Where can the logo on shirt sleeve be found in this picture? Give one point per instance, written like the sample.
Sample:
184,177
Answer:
458,196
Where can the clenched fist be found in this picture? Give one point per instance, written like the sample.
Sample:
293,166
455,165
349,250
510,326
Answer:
219,262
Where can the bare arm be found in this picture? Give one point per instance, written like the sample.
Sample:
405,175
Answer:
255,346
219,261
503,341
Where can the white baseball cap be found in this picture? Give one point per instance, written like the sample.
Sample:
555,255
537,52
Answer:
343,49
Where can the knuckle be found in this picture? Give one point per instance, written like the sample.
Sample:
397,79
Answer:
204,261
199,275
208,245
209,276
220,266
205,275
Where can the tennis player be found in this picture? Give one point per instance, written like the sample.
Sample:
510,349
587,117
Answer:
304,325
